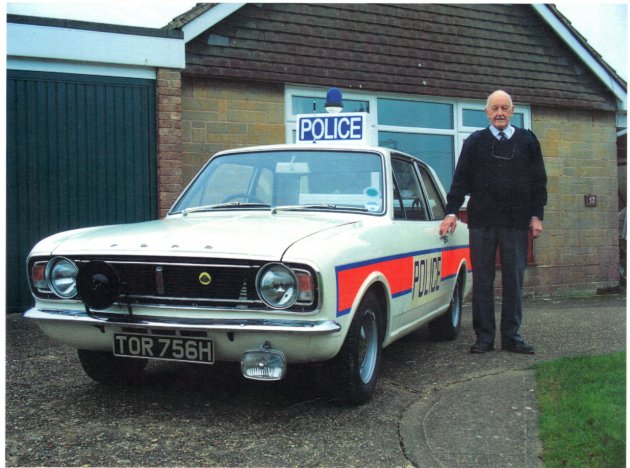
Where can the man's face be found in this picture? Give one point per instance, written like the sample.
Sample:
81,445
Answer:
499,111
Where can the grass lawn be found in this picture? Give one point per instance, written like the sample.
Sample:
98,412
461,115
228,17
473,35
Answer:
582,407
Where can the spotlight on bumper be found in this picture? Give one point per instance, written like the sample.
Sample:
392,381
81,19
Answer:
264,363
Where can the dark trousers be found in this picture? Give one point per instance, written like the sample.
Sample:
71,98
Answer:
513,248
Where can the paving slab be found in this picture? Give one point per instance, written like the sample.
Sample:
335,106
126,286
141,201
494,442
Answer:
488,420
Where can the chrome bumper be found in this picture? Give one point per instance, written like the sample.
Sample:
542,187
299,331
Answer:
224,325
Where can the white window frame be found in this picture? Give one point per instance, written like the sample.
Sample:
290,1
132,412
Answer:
458,132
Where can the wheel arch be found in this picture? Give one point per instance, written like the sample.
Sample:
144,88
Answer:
382,296
465,273
376,284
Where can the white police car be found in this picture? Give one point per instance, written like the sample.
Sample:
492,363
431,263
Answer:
272,255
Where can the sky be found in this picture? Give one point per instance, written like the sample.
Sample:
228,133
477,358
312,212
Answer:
604,25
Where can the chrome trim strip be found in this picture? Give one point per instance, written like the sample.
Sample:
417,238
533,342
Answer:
226,325
170,263
186,300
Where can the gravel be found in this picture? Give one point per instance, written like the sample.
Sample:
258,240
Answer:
193,415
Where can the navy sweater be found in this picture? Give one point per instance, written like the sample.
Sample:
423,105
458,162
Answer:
506,181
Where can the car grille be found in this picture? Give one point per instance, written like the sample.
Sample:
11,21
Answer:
176,282
208,284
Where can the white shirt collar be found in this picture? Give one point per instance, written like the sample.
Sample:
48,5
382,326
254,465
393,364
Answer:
509,131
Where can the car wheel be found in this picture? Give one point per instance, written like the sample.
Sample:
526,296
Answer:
359,359
105,368
446,326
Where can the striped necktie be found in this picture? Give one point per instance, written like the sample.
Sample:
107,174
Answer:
502,136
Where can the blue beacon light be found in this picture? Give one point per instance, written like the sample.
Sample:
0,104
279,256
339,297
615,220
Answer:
334,103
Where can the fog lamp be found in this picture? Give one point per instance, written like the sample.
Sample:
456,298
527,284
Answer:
264,363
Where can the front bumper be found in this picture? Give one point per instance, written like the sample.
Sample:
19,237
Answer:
219,325
299,340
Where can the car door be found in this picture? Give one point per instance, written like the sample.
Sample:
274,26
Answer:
418,235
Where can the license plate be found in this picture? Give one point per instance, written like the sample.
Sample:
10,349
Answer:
167,348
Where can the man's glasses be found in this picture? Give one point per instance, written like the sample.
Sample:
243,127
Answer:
507,157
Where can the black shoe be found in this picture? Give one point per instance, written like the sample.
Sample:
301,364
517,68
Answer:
521,348
480,347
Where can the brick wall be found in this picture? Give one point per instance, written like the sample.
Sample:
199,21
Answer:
578,251
218,115
169,138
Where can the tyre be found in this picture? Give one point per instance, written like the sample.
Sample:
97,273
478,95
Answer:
447,325
105,368
359,359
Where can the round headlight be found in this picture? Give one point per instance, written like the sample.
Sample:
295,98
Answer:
277,286
61,275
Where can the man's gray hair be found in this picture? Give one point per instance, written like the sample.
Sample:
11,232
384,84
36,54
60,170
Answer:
498,91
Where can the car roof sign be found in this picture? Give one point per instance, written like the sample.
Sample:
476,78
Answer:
343,128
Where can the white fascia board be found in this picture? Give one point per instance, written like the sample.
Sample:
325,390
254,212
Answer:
80,68
208,19
79,45
607,79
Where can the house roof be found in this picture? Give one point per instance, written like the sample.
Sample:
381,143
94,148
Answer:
451,50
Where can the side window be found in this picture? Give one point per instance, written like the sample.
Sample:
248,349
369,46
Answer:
399,211
409,193
436,204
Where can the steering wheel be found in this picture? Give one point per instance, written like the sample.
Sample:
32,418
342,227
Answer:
247,198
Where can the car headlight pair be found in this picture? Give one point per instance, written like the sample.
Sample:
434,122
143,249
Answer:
97,284
280,286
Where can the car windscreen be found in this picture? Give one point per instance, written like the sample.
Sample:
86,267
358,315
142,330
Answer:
289,180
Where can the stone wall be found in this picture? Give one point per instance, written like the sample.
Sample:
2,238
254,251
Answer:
219,115
578,251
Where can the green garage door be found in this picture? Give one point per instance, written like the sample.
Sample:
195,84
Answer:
81,151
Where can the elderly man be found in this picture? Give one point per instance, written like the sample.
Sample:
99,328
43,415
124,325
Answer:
501,167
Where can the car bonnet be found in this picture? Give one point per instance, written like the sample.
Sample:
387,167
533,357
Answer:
242,235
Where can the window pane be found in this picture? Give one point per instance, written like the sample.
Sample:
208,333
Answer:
436,150
478,119
435,200
409,192
304,105
517,120
415,114
475,118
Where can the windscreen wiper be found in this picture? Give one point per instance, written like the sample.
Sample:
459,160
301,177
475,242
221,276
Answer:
218,206
322,206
